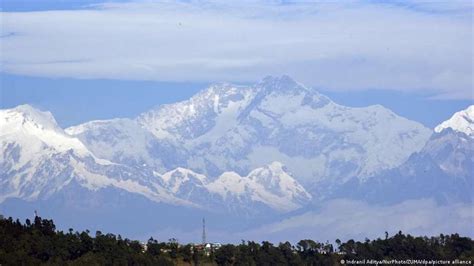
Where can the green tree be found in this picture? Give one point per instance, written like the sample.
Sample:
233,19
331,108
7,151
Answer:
225,255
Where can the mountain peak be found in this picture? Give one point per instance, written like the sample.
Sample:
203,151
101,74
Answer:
462,121
28,109
27,114
36,131
275,165
283,82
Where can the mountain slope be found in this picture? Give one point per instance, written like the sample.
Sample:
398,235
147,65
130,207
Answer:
239,154
38,159
240,128
224,150
269,186
461,121
123,141
442,170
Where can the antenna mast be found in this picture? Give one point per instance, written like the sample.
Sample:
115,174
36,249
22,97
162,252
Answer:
203,231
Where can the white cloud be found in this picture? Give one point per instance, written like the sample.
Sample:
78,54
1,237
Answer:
350,46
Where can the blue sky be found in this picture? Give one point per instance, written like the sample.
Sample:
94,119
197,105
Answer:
75,101
44,5
91,59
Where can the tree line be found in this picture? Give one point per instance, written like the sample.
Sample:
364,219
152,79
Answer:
38,242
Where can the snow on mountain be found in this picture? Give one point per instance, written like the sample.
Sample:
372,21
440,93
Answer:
264,151
208,111
118,132
462,121
179,177
453,152
442,170
120,141
38,159
211,148
36,130
188,185
270,185
240,128
331,140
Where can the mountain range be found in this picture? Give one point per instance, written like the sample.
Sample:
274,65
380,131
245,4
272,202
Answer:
263,151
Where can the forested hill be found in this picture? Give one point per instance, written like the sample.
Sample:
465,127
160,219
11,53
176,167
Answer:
38,242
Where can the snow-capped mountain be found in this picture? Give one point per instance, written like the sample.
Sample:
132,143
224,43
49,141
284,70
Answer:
236,153
443,169
39,159
241,128
452,146
224,149
36,130
121,141
271,186
462,121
